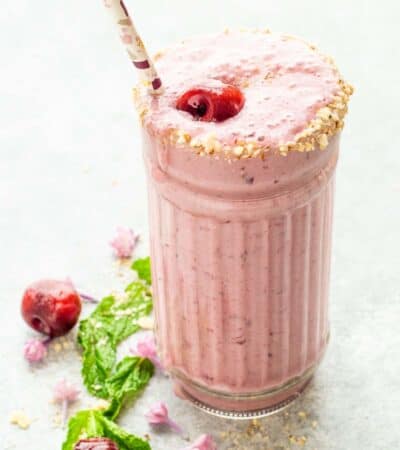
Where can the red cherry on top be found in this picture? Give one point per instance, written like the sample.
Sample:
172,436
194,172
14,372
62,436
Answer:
51,307
212,104
96,444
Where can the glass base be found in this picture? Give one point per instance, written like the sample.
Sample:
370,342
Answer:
258,413
242,406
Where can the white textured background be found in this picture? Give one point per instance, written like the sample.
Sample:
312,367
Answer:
71,171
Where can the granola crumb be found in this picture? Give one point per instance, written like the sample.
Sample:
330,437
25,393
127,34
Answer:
100,405
158,55
238,150
323,141
67,345
20,419
298,440
57,347
57,420
147,323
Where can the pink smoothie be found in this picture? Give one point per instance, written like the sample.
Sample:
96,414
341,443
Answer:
241,216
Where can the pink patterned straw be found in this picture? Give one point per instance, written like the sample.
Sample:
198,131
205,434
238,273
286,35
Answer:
134,44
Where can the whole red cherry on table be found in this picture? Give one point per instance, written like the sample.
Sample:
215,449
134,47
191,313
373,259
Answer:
51,307
96,444
212,104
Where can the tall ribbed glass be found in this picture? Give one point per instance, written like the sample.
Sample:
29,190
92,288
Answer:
240,260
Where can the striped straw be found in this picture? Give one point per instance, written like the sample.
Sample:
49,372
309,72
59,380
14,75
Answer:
134,44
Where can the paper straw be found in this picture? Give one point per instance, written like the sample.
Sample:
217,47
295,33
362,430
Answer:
134,44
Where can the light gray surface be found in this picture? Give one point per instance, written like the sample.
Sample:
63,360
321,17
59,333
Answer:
71,171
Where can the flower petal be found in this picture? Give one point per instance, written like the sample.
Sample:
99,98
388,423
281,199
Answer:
64,391
124,243
35,350
203,442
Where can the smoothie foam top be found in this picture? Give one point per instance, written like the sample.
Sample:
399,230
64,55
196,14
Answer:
295,98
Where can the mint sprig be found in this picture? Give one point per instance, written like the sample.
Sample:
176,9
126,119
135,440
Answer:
113,320
90,424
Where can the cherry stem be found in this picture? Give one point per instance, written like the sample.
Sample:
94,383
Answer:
47,340
85,297
88,298
174,426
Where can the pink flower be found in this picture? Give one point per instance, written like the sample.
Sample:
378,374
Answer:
203,442
35,350
107,3
158,415
146,348
65,393
124,242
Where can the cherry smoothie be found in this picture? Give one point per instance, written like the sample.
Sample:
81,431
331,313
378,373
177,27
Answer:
241,151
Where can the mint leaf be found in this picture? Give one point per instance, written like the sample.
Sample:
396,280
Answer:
143,269
110,323
124,440
90,423
131,376
99,351
138,304
84,424
97,364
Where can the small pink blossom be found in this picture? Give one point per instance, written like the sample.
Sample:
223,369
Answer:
35,350
124,242
203,442
158,415
107,3
146,348
65,393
